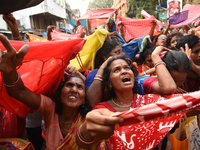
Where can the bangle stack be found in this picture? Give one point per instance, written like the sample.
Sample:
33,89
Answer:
82,139
12,84
158,63
98,77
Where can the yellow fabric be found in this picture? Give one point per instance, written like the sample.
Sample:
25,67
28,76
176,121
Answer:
92,45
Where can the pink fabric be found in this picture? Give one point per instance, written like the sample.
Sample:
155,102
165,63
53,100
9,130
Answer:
135,28
150,119
97,17
56,35
53,133
147,84
193,14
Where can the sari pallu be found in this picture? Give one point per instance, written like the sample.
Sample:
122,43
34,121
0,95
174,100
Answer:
150,118
69,142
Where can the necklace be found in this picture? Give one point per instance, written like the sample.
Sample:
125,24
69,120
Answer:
121,105
63,122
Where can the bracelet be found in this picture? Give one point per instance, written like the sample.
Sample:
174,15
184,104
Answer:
12,84
83,140
16,38
96,78
158,63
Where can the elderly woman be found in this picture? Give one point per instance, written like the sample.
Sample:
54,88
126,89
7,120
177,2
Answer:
62,115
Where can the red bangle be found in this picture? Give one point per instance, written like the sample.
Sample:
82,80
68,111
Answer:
158,63
12,84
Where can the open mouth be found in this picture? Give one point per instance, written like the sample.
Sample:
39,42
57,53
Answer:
126,79
72,97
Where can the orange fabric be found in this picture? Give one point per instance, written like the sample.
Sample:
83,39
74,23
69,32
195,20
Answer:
145,68
35,38
41,70
178,145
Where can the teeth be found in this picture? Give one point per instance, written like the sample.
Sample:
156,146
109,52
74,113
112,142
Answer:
72,97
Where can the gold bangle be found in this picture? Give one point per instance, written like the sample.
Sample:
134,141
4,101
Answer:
98,76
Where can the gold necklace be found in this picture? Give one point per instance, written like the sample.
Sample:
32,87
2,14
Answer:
66,123
121,105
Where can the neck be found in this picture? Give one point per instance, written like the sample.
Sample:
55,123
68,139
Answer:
125,97
69,114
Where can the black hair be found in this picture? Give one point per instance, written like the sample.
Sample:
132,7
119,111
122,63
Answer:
191,40
104,51
176,61
156,38
170,36
147,51
106,75
83,109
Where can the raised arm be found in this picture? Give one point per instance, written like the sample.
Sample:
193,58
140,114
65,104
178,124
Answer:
12,24
165,84
152,29
15,88
98,125
167,29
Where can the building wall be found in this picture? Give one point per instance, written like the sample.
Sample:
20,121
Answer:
121,6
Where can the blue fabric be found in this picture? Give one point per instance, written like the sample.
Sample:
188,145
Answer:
90,78
83,23
139,85
131,48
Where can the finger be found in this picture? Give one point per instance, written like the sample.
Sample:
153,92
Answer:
6,43
99,118
182,49
23,51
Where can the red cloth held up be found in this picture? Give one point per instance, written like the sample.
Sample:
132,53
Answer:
41,70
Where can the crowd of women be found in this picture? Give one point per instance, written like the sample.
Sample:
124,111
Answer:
78,116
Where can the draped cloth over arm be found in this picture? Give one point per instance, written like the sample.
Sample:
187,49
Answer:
41,70
149,119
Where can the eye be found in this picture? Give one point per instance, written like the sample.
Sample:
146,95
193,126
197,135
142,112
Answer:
116,70
80,87
127,68
69,85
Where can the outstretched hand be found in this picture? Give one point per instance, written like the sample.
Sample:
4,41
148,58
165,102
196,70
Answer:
10,58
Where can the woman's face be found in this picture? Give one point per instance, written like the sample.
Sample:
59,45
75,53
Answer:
121,76
73,93
179,77
174,40
148,61
195,55
116,51
161,41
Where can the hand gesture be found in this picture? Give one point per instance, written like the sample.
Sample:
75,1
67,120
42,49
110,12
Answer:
10,58
12,24
100,124
111,35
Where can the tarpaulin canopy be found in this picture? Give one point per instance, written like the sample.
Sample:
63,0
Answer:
193,14
135,28
97,17
150,119
41,70
8,6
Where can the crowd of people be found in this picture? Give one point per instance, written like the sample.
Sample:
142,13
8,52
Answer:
78,116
